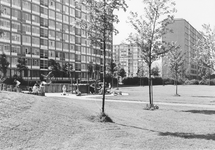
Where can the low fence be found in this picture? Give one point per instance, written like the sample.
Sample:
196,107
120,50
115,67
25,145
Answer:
52,88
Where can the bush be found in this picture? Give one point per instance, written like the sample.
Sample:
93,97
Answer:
192,82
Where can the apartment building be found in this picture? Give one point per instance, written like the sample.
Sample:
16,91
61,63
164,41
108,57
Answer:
185,35
39,30
128,56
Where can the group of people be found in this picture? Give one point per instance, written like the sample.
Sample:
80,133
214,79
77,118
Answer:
99,88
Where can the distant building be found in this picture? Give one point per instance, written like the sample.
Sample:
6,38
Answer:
129,58
185,35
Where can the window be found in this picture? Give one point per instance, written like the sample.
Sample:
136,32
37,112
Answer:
72,38
26,16
6,11
51,53
77,13
36,51
72,20
26,39
51,33
43,42
51,43
15,49
59,6
36,40
65,37
77,48
26,5
44,22
44,10
65,9
65,18
65,28
26,28
44,32
72,56
26,50
43,64
65,46
5,23
77,40
72,29
35,30
59,35
44,2
16,14
15,37
72,47
59,16
77,57
72,12
36,62
77,31
16,3
6,1
51,13
58,25
52,23
59,45
5,35
35,19
35,8
43,53
52,3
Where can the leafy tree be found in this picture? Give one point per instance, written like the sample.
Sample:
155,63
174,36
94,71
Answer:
101,27
54,67
205,51
176,59
155,71
149,30
122,73
68,68
22,65
3,65
112,69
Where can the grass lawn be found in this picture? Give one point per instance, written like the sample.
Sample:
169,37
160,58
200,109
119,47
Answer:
34,122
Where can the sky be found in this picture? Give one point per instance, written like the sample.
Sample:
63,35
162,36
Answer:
196,12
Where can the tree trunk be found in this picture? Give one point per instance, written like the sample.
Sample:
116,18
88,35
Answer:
150,87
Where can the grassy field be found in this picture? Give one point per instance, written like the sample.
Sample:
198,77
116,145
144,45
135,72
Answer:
41,123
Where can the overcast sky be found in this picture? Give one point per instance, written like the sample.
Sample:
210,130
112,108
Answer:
196,12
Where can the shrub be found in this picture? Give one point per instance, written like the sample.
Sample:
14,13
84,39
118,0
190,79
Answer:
192,82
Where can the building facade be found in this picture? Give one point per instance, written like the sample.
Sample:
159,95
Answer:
39,30
185,35
128,56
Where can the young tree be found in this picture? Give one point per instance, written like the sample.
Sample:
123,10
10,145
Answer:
112,69
54,68
3,66
149,31
22,65
68,68
155,71
101,27
205,50
176,59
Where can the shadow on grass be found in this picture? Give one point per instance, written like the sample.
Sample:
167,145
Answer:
135,127
205,96
206,112
189,135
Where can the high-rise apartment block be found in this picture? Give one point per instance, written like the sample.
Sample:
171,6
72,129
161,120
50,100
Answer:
185,35
128,56
39,30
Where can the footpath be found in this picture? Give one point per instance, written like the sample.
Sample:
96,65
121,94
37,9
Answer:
93,98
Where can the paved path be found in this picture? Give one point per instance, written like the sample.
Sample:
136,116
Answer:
92,98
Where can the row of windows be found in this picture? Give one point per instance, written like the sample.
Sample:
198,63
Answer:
65,14
5,23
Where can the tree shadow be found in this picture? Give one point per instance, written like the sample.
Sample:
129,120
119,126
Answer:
135,127
189,135
206,112
205,96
